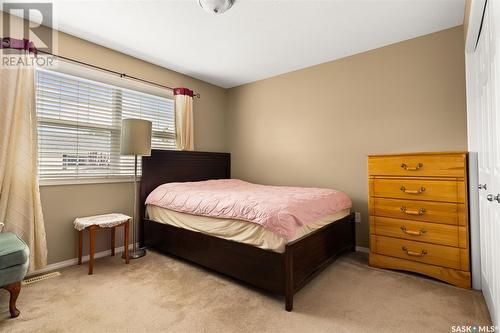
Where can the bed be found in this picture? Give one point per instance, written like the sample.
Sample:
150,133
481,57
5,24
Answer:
271,263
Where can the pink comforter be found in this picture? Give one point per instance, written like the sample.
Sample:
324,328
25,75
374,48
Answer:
279,209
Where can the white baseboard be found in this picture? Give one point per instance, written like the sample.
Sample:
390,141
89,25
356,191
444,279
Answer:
362,249
74,261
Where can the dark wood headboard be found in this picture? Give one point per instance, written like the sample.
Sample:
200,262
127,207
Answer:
167,166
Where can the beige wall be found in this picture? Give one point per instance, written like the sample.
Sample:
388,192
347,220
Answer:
315,127
61,204
312,127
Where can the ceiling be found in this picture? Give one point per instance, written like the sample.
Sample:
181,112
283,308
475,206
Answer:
255,39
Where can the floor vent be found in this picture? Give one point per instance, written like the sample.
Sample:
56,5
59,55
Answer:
40,278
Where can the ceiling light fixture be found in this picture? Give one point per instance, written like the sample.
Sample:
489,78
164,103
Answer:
216,6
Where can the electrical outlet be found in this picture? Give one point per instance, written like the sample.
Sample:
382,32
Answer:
357,217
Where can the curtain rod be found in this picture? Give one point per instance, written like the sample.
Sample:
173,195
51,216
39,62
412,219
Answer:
123,75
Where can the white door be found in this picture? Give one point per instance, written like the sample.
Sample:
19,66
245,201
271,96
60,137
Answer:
485,95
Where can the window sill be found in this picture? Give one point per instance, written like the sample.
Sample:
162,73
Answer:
61,182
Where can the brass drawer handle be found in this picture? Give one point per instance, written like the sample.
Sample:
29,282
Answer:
421,232
420,211
409,168
405,190
414,254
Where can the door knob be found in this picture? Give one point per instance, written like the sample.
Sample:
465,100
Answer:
482,187
491,197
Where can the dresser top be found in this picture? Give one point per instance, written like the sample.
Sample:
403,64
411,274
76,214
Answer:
421,153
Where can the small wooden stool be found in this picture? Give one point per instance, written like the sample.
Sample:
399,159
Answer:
92,223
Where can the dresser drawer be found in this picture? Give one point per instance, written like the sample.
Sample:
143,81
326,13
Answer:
438,212
438,255
412,189
440,234
426,165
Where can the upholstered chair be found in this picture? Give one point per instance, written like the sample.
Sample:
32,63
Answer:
14,261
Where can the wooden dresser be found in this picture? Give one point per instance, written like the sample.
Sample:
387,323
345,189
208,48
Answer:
419,215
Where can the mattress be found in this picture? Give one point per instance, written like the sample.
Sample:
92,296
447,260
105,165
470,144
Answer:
236,230
280,209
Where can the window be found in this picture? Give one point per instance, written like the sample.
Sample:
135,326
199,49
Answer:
79,124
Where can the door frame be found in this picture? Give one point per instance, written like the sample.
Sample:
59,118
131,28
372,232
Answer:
473,25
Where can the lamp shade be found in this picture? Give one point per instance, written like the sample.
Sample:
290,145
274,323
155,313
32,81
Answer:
136,137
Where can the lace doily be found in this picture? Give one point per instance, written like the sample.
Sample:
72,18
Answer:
103,221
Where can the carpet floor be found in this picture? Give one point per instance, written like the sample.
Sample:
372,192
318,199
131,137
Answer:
161,294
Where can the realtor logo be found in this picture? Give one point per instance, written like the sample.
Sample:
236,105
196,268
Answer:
31,21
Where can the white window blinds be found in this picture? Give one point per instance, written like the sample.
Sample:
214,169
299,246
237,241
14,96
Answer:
79,124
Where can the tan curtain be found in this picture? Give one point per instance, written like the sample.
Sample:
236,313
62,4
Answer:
184,118
20,206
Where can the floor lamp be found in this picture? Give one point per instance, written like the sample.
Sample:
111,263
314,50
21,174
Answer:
135,140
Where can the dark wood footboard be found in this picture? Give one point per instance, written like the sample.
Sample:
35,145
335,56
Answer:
280,273
309,255
243,262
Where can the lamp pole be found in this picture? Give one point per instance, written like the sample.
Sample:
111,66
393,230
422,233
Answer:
136,252
136,140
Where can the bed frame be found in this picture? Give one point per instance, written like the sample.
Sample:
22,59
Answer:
280,273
